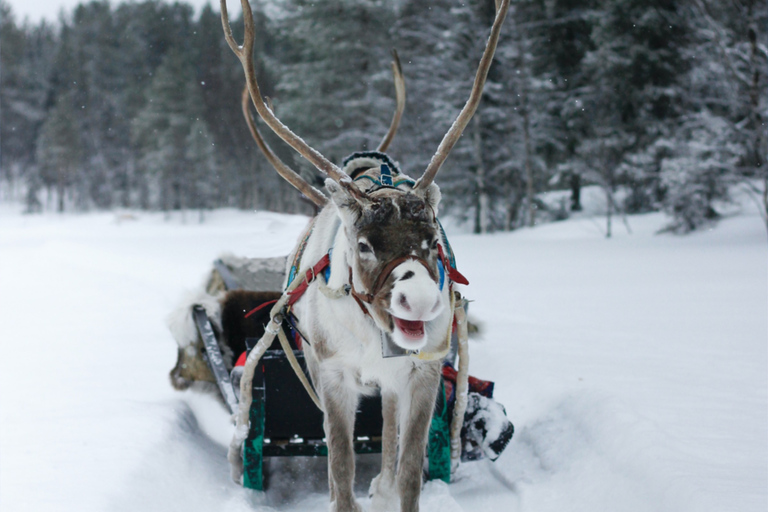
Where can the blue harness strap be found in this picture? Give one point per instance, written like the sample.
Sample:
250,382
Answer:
386,175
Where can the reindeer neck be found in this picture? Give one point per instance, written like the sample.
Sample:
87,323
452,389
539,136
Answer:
339,264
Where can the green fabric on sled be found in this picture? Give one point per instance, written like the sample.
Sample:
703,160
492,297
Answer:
439,448
253,451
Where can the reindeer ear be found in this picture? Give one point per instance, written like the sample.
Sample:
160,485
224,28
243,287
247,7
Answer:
432,196
346,204
337,193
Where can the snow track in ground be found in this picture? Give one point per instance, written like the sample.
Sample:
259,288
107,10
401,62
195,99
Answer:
635,369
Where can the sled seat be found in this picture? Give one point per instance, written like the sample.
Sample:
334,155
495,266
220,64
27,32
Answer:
293,425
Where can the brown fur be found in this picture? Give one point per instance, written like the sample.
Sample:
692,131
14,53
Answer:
191,367
396,224
235,305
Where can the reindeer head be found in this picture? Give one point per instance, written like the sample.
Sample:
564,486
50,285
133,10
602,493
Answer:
392,251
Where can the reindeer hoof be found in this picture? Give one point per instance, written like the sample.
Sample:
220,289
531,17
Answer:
352,506
384,496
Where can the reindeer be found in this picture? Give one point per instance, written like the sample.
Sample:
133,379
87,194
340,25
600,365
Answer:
381,240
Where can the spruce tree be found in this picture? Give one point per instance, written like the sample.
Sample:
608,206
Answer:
26,53
635,96
161,128
59,149
335,86
200,154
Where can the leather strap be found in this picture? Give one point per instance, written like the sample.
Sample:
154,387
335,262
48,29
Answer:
384,275
310,276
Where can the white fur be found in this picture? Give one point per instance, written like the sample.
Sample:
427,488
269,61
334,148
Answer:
344,353
180,321
424,300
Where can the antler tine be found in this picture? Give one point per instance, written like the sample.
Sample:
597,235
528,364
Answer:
397,73
245,55
462,120
283,170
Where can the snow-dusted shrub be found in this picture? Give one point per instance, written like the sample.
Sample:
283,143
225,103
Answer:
698,173
690,192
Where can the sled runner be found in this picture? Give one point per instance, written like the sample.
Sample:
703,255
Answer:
284,421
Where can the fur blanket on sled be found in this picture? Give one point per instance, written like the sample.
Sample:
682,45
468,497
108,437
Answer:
224,296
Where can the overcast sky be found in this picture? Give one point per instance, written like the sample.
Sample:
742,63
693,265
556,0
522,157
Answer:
36,10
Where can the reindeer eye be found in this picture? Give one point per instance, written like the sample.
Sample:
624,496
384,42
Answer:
364,248
434,244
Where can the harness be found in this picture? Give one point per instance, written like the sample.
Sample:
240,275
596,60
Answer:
323,267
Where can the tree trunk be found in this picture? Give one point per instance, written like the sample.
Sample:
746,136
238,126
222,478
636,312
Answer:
483,201
60,189
765,197
575,192
125,192
528,170
757,120
608,211
60,193
524,111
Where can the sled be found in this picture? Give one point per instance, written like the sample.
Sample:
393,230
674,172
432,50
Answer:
284,421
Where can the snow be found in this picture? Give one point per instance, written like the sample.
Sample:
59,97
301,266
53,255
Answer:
634,369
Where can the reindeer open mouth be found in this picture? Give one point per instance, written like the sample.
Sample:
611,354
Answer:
415,299
412,330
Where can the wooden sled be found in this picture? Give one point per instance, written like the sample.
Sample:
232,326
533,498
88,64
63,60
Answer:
283,419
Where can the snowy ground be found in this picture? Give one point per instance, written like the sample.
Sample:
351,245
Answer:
635,369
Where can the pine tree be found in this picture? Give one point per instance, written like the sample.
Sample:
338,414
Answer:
59,149
728,83
636,68
26,53
569,39
524,136
335,86
440,45
200,154
161,128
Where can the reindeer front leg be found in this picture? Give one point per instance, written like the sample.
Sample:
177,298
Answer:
383,489
340,403
415,415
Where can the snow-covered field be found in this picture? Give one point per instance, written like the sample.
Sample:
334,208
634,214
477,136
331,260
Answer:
635,369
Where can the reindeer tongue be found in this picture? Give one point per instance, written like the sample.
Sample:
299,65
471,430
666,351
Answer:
411,328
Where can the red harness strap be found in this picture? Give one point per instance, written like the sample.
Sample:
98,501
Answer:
310,276
453,274
259,308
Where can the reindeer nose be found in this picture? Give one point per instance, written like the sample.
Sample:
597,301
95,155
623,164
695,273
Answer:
403,301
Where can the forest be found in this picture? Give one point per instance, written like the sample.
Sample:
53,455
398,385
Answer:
659,103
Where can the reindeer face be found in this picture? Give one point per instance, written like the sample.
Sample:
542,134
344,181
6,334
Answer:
393,237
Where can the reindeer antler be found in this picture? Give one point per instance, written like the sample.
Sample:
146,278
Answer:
283,170
292,176
245,55
462,120
397,74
